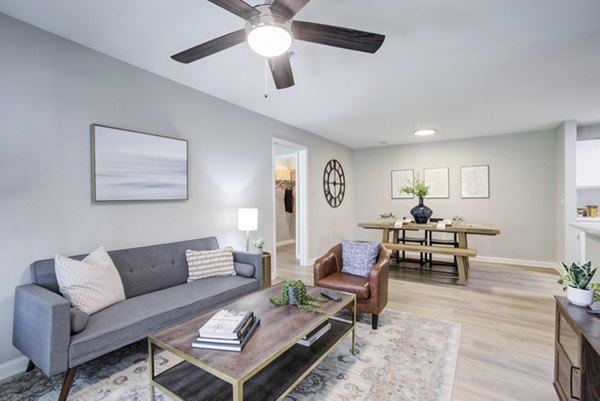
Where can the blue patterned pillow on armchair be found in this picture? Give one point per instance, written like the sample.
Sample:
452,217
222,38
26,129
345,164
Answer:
359,257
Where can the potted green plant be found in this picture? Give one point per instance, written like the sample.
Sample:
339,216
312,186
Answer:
259,244
576,281
420,213
293,292
458,220
387,218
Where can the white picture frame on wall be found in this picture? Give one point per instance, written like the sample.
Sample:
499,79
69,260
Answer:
438,181
401,178
475,182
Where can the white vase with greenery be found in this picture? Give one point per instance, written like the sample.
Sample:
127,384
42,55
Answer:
576,281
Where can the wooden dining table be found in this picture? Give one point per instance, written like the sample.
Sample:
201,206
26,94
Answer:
463,252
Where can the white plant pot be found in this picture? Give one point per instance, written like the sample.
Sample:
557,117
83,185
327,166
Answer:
580,297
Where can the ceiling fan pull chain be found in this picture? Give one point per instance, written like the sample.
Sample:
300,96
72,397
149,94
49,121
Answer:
266,77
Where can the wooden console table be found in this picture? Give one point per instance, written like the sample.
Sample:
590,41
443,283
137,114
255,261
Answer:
576,355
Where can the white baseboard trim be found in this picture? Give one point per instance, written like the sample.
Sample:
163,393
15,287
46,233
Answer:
311,262
13,367
286,242
521,262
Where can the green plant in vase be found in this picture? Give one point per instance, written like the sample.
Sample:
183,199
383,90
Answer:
418,189
420,213
293,292
387,218
576,281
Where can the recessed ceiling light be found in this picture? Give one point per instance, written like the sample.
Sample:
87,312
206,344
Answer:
383,142
425,132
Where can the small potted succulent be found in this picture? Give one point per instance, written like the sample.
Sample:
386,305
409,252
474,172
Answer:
576,281
259,244
458,220
387,218
293,292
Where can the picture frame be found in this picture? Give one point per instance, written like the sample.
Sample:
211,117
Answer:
400,178
475,182
438,181
137,166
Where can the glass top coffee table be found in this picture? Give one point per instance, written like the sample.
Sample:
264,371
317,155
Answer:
270,365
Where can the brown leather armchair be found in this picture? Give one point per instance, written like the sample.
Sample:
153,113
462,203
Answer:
371,292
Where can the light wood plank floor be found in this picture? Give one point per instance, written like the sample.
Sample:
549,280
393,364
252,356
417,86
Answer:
507,314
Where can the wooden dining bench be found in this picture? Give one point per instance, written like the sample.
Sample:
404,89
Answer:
462,254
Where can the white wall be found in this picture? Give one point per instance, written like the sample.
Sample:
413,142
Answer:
566,193
52,90
588,196
522,189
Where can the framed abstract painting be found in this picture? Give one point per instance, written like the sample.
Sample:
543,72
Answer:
136,166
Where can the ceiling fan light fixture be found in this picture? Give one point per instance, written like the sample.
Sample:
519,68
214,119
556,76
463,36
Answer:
269,40
269,35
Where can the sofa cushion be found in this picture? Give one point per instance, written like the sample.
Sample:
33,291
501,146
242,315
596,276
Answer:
244,269
136,318
91,284
214,263
358,258
79,320
347,282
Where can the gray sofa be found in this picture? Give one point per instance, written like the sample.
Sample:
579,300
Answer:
157,295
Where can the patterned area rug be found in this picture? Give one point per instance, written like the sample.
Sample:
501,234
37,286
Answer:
409,358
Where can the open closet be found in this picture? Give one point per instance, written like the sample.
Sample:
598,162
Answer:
286,162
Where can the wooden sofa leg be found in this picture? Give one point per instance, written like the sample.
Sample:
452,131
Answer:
30,366
69,376
374,321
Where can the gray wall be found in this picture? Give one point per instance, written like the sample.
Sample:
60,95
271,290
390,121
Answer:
52,90
522,188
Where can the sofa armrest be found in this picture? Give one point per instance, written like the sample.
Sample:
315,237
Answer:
328,264
378,279
254,259
41,327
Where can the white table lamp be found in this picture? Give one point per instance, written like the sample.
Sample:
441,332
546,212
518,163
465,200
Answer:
247,221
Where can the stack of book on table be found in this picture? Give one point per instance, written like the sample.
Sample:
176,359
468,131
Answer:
227,330
314,335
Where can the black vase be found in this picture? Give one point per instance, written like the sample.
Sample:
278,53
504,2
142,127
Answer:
421,213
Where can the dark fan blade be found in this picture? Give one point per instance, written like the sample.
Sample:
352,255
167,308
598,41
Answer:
282,71
338,37
237,7
211,47
287,8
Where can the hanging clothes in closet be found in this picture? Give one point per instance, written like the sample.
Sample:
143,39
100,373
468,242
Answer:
288,199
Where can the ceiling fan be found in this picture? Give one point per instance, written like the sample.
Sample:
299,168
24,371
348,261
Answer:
270,30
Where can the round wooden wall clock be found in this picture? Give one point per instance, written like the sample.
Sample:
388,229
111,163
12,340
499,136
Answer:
334,183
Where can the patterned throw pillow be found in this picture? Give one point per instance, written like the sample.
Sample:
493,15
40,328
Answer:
91,284
204,264
359,257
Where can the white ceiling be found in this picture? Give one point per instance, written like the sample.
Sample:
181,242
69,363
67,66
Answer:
465,67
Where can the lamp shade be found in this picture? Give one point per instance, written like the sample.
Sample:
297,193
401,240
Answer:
247,219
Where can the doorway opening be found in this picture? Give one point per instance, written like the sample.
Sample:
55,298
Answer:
290,206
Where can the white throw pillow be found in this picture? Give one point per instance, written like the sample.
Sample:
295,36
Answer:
91,284
203,264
